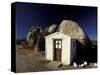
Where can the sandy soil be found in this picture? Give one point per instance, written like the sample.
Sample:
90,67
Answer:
29,61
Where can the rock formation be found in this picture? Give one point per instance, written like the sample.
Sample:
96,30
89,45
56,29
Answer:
83,43
74,30
29,39
34,36
52,28
49,30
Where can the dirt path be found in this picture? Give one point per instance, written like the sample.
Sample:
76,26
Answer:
27,60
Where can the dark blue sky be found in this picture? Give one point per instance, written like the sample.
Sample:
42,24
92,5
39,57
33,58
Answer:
43,15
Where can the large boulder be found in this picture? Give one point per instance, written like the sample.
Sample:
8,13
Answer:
83,42
30,39
33,37
49,30
52,28
74,30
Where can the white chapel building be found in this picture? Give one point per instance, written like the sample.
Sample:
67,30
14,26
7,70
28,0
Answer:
60,47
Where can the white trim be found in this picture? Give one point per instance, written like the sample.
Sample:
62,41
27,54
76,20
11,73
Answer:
56,33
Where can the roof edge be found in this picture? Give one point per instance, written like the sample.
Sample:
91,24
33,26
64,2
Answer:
56,33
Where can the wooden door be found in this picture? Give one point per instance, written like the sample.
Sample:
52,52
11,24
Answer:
57,49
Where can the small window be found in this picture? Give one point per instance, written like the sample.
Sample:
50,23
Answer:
58,44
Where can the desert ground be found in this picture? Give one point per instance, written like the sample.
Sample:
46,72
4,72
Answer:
27,60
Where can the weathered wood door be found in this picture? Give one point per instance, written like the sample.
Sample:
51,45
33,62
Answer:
57,49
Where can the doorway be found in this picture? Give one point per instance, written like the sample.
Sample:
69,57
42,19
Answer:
57,49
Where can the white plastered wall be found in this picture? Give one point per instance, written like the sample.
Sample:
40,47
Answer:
49,49
66,51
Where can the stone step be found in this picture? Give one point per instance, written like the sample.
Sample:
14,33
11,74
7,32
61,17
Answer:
54,65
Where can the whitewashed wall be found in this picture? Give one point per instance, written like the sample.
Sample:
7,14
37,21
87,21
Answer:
66,50
66,47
